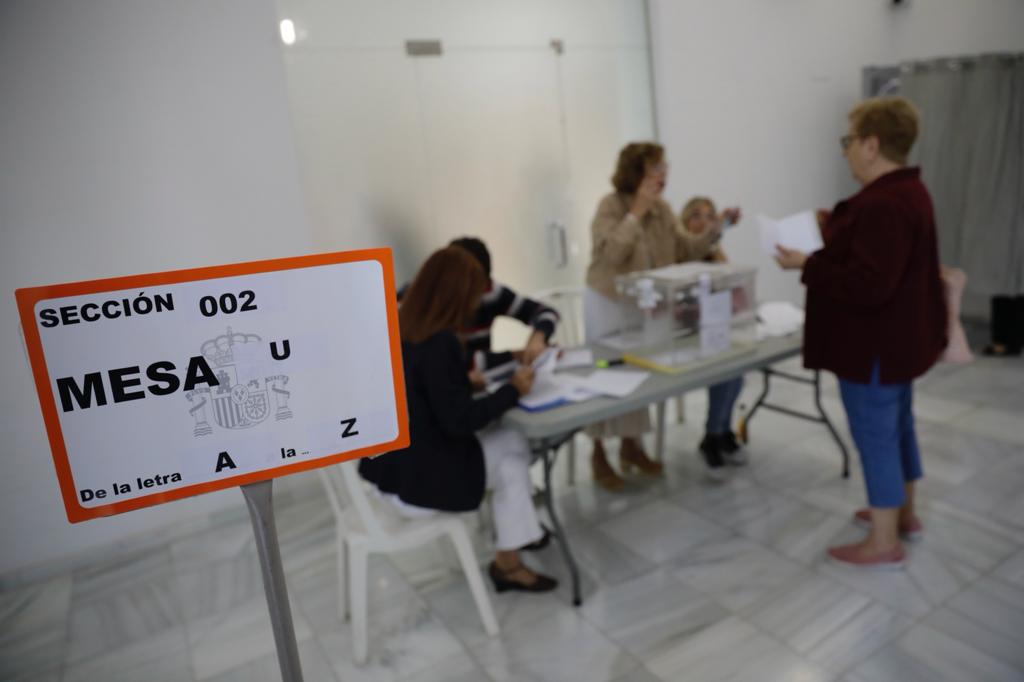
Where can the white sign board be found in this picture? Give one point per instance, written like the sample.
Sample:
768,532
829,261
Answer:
162,386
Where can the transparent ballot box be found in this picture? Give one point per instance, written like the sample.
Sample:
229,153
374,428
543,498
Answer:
683,315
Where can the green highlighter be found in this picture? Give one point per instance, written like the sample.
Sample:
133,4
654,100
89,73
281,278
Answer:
605,364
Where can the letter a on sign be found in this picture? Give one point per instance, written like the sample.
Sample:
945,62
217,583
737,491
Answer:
224,461
250,360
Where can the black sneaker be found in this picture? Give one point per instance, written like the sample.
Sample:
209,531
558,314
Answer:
711,448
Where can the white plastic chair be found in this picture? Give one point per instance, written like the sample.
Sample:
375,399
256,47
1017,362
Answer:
568,302
363,530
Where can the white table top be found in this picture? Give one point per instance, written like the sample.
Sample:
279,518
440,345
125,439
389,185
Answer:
658,386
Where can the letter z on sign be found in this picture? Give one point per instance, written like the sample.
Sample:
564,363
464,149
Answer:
162,386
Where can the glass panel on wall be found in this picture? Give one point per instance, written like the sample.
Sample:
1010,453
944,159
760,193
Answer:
419,122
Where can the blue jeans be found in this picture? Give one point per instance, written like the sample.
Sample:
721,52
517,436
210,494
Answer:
721,399
882,423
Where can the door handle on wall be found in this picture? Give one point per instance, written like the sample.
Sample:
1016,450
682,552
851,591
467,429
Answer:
558,247
423,48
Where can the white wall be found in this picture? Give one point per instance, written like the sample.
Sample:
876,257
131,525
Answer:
497,137
134,137
752,96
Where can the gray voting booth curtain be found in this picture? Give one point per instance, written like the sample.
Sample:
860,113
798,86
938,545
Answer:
971,152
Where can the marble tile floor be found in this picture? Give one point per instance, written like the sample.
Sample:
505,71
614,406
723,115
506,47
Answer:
684,579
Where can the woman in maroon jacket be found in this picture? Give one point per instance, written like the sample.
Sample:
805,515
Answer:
876,317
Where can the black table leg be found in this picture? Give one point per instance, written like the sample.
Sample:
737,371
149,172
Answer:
765,387
744,423
548,455
821,417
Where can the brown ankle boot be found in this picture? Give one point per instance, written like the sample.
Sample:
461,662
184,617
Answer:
604,475
632,456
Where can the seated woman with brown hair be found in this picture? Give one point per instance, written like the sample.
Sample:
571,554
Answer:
457,451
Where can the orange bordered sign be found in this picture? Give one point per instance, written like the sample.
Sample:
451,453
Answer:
162,386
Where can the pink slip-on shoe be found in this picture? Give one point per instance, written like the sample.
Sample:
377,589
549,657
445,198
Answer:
911,532
856,555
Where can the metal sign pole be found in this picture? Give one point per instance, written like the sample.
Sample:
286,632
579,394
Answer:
261,510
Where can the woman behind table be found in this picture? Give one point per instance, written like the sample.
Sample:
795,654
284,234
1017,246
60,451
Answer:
876,317
456,450
633,229
719,445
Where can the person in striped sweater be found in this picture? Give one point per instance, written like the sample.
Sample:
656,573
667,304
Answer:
500,300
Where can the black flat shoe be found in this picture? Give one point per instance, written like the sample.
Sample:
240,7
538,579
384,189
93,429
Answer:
541,583
539,544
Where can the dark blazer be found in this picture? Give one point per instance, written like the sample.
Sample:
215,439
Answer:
874,293
443,467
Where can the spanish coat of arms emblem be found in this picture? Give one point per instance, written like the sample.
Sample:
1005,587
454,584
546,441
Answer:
235,403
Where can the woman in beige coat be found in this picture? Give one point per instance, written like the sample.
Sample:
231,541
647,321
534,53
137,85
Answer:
634,229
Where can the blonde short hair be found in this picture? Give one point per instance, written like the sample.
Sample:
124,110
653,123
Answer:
692,205
893,120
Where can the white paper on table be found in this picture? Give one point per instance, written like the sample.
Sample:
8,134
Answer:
552,389
799,231
544,391
617,383
778,318
577,394
577,357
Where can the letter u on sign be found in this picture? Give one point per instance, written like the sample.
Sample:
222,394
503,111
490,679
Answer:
162,386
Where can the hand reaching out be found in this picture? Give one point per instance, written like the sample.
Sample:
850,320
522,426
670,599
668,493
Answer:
477,380
731,215
534,347
789,259
646,194
522,379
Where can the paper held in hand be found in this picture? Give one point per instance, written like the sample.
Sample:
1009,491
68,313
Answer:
799,231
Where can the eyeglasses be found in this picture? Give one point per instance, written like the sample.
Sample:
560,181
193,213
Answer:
846,140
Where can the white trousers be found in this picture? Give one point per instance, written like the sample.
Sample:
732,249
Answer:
507,462
507,457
